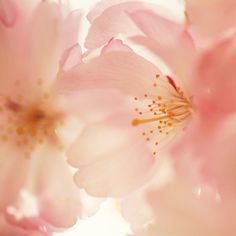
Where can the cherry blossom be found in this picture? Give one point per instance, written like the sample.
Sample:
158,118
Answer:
145,112
138,108
36,43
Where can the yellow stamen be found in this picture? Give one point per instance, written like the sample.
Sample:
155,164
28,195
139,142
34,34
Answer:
136,122
20,130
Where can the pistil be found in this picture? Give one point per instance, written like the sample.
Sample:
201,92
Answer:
165,111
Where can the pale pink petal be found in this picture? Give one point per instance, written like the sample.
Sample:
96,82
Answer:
59,200
13,53
90,204
185,208
209,147
95,104
111,158
45,179
70,29
135,207
112,22
165,37
100,7
45,50
211,17
9,230
218,168
11,163
110,19
124,71
8,13
214,82
52,24
115,45
71,57
34,199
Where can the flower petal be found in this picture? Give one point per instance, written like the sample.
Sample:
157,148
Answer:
115,45
45,50
187,207
111,158
109,19
94,105
211,17
124,71
214,83
209,147
57,207
47,20
71,57
165,37
8,13
100,7
112,22
35,198
135,207
10,230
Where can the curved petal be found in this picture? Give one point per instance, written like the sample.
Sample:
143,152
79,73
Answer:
115,45
187,208
71,57
94,105
135,207
59,208
10,230
164,37
209,147
124,71
8,13
111,158
35,199
11,163
48,20
58,30
211,17
110,19
112,22
214,82
100,7
12,51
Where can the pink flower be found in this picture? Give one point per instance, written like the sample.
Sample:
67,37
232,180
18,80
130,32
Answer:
183,208
137,107
211,17
37,43
144,109
210,139
10,230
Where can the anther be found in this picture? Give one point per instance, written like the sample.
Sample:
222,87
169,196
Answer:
4,137
20,130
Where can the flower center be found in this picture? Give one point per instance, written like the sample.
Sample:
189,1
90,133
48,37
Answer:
28,124
164,112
